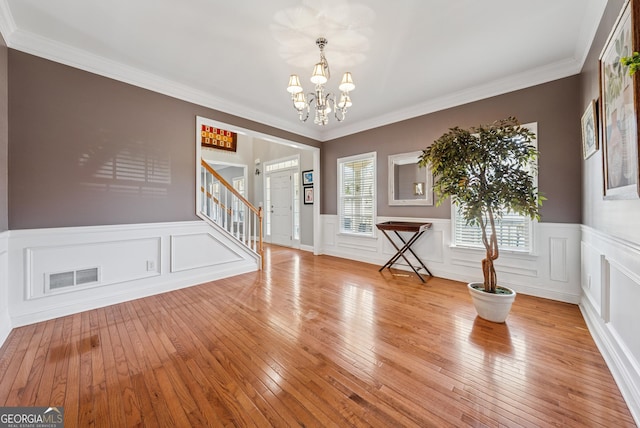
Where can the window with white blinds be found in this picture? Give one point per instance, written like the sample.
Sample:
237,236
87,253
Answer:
514,232
357,194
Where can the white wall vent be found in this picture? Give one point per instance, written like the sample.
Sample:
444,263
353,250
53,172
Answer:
86,276
63,280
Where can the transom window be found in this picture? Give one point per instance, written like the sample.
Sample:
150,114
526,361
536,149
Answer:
284,164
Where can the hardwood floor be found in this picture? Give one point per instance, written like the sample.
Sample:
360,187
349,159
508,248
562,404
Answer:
314,341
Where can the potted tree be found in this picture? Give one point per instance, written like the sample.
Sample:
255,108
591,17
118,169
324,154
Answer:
487,171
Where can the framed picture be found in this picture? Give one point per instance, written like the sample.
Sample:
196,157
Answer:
308,195
216,138
619,100
589,130
307,178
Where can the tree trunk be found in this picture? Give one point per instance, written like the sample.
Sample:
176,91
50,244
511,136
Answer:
489,272
491,247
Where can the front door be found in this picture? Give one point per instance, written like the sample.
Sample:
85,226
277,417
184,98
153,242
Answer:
281,212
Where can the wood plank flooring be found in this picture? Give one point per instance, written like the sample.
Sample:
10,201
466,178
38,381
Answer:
314,341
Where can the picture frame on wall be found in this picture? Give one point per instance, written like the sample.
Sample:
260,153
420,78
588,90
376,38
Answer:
307,178
308,195
212,137
589,124
619,100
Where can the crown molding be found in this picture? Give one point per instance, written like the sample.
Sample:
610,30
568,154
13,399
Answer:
7,24
87,61
533,77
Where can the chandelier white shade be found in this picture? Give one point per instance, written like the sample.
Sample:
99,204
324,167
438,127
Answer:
324,102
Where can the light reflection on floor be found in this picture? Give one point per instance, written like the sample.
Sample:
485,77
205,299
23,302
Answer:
295,283
500,355
359,326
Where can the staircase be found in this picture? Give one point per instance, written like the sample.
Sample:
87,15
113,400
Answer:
228,209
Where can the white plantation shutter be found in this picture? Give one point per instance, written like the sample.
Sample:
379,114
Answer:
357,194
514,232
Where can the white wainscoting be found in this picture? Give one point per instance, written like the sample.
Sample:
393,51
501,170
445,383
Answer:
553,272
611,307
5,320
133,261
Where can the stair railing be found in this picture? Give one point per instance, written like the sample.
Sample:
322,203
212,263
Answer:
226,207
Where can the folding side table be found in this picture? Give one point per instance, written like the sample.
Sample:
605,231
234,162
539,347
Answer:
418,230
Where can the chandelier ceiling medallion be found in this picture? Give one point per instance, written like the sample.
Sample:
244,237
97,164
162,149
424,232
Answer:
324,101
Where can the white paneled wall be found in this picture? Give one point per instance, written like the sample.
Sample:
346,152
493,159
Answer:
553,271
5,321
132,261
611,306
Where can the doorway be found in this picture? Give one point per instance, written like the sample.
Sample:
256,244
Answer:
282,201
255,148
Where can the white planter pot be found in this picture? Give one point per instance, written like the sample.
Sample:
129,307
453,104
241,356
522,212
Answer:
490,306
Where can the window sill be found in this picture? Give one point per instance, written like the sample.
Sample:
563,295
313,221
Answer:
357,235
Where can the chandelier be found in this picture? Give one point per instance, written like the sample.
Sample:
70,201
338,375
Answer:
324,102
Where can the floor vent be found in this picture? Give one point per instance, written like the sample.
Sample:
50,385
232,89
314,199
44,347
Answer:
61,280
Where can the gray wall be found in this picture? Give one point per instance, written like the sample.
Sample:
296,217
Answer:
67,124
4,137
554,106
66,129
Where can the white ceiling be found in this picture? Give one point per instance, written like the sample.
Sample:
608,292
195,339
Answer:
408,57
